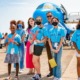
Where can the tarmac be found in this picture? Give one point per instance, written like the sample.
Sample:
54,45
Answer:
69,71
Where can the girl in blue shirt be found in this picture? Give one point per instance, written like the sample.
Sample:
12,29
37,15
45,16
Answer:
40,31
12,41
20,31
56,37
76,42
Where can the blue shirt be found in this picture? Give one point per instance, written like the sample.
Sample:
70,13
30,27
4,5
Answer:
55,34
48,26
20,32
11,46
42,32
76,38
1,36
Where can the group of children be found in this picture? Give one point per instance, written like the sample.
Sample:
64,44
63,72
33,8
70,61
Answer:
50,35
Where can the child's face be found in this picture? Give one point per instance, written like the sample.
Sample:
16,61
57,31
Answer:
31,22
13,28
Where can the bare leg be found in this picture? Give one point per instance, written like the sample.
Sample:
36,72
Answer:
78,66
36,63
9,69
17,69
31,71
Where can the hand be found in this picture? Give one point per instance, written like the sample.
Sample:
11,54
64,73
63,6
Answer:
31,41
55,51
11,40
38,41
14,42
58,49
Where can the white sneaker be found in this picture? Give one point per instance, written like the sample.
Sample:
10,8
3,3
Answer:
57,78
21,70
36,77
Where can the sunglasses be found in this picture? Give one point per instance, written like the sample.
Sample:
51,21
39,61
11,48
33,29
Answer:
49,16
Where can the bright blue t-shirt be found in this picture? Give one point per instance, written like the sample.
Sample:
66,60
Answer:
11,46
55,34
76,38
20,32
42,32
48,26
1,36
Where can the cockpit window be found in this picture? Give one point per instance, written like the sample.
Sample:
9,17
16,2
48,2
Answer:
47,6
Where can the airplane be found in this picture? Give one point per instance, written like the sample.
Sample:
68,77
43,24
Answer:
59,12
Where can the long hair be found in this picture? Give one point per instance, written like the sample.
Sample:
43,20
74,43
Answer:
78,25
29,26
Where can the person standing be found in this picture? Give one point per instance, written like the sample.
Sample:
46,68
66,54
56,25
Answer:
29,56
12,54
48,26
76,43
56,37
41,35
21,32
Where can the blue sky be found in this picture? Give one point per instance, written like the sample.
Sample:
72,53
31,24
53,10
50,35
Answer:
23,9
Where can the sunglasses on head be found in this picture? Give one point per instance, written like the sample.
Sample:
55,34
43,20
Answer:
49,16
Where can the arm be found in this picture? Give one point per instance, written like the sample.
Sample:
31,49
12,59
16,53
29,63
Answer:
41,41
74,44
50,44
6,44
61,43
63,34
16,43
7,41
23,37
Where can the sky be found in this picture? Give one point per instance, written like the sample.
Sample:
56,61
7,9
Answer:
23,9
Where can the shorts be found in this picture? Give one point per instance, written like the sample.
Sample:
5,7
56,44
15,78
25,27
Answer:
37,50
12,58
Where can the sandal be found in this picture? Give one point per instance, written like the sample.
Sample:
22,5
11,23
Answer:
16,78
8,78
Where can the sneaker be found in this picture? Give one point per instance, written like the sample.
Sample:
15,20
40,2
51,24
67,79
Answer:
57,78
36,77
49,75
54,78
21,70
